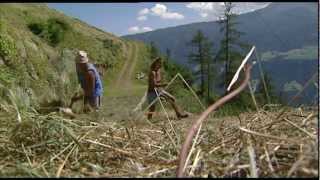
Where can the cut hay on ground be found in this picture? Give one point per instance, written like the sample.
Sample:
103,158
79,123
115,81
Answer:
250,145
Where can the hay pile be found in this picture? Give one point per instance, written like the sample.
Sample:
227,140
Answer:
253,144
263,145
54,146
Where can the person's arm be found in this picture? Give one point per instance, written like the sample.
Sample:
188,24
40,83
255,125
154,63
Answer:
76,97
90,84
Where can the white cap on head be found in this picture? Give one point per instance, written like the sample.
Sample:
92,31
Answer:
83,58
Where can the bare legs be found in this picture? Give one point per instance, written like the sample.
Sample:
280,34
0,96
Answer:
152,109
171,99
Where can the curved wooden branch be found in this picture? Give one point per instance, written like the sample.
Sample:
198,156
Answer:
185,147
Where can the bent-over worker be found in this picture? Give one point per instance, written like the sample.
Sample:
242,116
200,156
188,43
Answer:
90,82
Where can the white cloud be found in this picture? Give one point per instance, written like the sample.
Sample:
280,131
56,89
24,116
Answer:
200,6
142,18
137,29
162,11
134,29
221,3
159,9
145,29
248,7
212,10
143,11
172,16
204,15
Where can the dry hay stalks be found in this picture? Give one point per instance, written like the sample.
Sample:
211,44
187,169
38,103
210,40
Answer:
196,124
54,146
253,145
288,149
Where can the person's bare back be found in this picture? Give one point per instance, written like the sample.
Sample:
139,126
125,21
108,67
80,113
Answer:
154,80
155,89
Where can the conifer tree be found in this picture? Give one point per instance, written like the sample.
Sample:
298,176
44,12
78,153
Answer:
203,57
231,47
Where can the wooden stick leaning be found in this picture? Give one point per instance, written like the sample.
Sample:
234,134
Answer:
267,136
192,148
155,100
262,77
192,91
253,97
301,129
269,161
203,107
252,156
158,96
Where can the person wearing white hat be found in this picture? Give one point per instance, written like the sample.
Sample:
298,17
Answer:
90,82
82,57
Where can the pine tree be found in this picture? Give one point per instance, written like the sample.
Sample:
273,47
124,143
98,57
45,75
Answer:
231,46
208,59
203,56
168,53
154,52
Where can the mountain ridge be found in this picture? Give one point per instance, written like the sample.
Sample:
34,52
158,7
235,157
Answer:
280,32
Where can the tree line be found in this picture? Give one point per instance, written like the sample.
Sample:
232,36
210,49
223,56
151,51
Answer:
207,59
229,56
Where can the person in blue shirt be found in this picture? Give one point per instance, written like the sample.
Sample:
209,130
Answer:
90,82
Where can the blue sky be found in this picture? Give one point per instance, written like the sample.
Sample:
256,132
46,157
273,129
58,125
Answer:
130,18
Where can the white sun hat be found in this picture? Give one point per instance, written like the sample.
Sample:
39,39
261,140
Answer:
83,58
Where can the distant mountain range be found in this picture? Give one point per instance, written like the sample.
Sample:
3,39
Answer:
285,35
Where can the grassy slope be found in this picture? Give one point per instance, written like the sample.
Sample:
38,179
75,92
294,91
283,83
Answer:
39,58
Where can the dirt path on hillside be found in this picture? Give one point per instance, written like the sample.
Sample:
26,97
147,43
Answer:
126,73
128,51
129,77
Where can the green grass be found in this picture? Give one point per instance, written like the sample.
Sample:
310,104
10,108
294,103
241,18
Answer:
135,90
38,57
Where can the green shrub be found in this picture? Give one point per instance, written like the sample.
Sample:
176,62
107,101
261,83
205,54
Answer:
239,104
7,76
187,100
173,68
53,30
54,21
112,46
3,25
8,49
36,28
107,43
